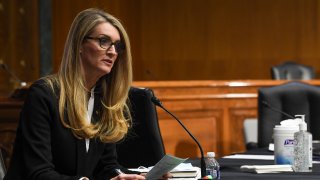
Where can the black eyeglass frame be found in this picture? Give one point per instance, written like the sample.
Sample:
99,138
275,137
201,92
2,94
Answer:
118,45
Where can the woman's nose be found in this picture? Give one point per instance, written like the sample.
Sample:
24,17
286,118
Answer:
112,49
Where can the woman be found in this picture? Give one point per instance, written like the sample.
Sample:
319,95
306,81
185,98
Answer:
71,120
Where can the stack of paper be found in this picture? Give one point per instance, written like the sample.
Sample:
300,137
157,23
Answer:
185,170
250,156
267,168
182,171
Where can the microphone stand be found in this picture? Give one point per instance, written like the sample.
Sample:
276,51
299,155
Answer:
158,103
19,92
5,67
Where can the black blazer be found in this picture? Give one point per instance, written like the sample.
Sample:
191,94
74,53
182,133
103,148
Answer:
45,149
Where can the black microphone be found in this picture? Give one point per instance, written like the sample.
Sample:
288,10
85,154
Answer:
19,92
277,110
6,68
157,102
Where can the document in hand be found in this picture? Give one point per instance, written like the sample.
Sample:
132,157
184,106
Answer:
171,164
165,165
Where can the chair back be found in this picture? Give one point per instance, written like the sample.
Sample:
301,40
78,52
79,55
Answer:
292,71
143,145
293,98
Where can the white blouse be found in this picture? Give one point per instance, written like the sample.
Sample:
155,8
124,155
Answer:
89,113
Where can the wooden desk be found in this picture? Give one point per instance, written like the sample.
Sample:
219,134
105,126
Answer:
214,112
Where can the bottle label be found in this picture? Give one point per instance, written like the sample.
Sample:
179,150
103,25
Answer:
284,150
288,142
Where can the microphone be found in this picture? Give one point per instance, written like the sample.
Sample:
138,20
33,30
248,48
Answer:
6,68
157,102
19,92
277,110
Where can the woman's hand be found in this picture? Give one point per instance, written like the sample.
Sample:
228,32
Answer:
128,177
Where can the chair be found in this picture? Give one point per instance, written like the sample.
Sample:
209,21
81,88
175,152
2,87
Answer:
292,71
2,166
143,145
292,98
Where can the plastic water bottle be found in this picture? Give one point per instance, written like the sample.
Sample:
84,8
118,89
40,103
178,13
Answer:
212,166
302,149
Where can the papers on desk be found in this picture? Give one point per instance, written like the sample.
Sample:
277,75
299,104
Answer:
170,164
267,168
257,157
260,168
250,156
186,170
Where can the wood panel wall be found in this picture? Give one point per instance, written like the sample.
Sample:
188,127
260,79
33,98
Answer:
207,39
19,43
175,40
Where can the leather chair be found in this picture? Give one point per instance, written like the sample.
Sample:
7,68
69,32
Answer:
293,98
292,71
143,145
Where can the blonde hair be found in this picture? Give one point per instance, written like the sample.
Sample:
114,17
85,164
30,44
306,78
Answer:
115,116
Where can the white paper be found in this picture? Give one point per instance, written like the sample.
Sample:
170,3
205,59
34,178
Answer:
165,165
267,168
250,156
184,167
258,157
141,169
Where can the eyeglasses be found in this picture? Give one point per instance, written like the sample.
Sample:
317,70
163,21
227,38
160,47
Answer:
105,42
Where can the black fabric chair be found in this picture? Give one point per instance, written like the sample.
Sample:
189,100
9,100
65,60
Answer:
292,71
293,98
143,145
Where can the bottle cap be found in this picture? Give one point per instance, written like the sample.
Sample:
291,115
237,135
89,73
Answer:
303,126
211,154
300,118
